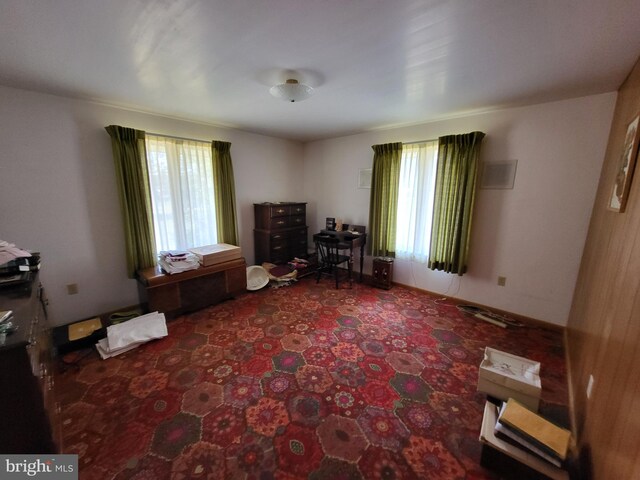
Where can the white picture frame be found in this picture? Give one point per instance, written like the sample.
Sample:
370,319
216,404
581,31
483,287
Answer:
364,177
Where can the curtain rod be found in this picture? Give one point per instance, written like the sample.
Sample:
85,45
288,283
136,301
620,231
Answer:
178,138
209,141
420,141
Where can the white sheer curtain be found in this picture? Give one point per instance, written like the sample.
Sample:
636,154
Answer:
182,192
415,200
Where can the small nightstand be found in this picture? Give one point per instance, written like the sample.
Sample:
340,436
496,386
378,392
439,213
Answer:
382,272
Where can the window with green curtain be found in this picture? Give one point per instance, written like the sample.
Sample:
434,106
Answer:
383,204
457,172
129,156
225,192
182,192
415,200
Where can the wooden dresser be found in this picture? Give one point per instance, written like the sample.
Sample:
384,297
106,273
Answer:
26,374
280,232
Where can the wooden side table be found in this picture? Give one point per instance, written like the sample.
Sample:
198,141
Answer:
382,272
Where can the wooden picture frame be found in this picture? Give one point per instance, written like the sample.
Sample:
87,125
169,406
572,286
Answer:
626,166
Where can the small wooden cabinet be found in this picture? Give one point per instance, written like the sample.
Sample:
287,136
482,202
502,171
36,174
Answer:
280,232
382,272
193,289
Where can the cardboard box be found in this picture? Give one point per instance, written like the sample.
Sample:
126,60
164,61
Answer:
503,376
218,253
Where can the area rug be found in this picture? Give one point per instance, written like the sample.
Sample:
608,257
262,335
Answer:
304,382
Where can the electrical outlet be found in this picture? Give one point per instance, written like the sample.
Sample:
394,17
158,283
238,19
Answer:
590,386
502,281
72,289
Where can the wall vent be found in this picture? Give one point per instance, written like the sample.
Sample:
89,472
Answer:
499,175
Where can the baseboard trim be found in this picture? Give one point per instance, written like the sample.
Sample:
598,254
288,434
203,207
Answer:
521,318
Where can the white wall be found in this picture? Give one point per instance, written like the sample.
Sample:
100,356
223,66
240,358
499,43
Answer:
58,196
58,192
533,235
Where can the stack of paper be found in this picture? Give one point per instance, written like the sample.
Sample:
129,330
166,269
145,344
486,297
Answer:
533,432
131,334
177,261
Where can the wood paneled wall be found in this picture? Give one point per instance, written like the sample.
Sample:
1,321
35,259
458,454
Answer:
603,334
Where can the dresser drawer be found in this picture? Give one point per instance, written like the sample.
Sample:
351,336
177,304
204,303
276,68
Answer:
280,257
278,222
299,232
298,210
278,237
279,246
280,211
296,221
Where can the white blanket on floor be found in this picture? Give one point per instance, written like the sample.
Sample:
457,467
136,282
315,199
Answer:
137,330
131,334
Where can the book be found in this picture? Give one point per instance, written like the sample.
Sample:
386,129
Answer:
83,329
535,429
519,454
507,435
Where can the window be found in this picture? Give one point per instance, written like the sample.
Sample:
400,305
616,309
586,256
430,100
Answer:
182,192
415,200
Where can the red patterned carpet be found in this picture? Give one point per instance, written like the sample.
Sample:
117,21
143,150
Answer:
299,382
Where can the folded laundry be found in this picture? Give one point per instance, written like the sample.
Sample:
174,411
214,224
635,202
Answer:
176,261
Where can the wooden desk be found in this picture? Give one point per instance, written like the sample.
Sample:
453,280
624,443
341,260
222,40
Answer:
350,240
193,289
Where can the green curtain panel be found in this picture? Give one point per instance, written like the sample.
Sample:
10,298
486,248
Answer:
129,156
383,205
225,192
453,204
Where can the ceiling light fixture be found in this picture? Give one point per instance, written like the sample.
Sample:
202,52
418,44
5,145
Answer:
291,91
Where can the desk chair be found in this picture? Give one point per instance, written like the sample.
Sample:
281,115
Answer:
329,258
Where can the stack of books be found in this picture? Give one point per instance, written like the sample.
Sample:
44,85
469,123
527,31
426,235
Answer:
538,435
530,442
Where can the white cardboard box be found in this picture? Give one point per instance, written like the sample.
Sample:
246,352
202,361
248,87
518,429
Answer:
503,376
218,253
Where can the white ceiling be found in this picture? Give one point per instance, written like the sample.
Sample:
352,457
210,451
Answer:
373,63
